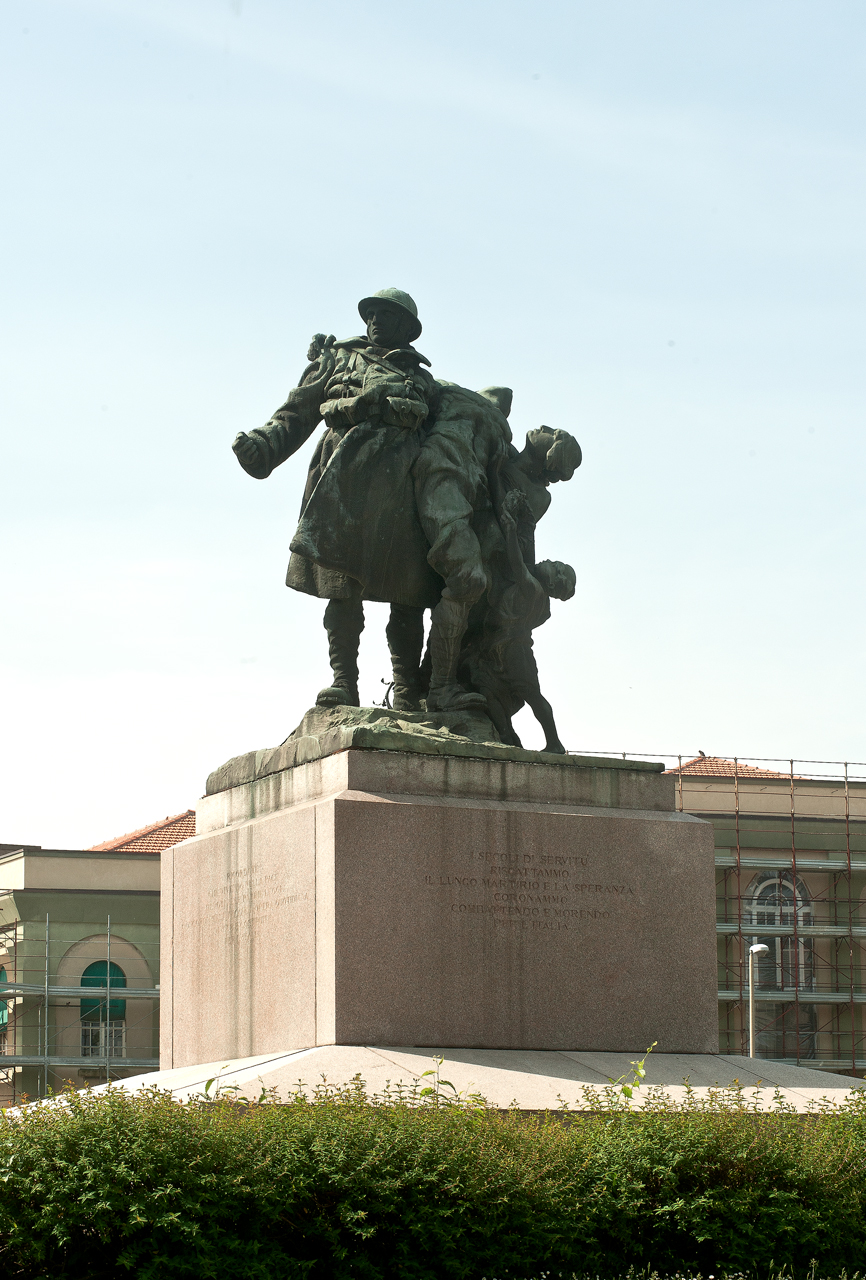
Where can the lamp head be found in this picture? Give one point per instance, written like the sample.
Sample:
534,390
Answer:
759,949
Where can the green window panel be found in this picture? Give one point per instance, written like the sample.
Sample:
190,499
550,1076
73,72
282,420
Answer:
96,975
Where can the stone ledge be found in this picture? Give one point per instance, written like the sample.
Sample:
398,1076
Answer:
416,777
533,1079
325,732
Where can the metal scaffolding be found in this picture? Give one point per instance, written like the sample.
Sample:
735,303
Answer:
51,1025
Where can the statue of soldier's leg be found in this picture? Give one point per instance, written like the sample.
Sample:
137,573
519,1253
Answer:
526,681
490,681
543,712
405,634
447,629
455,554
501,720
344,622
445,495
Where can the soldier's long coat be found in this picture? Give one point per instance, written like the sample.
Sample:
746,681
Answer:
358,523
396,442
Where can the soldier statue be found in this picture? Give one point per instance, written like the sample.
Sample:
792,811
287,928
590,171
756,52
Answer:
402,504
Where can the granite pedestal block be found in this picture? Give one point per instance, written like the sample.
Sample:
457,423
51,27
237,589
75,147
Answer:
386,897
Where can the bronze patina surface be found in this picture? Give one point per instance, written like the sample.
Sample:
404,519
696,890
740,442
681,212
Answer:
417,496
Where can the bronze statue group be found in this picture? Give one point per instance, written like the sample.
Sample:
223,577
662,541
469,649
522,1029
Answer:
417,496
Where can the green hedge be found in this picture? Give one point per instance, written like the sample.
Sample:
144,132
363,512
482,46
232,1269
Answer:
339,1185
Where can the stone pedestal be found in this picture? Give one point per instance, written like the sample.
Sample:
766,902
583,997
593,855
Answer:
391,897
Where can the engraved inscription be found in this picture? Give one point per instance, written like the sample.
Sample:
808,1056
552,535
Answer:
535,891
243,899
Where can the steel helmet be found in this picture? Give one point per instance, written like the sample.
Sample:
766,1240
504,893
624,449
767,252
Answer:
399,299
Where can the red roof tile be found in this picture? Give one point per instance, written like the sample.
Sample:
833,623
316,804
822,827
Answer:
719,767
152,839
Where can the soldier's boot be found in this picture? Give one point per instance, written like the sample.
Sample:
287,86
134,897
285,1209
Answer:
405,634
448,627
344,622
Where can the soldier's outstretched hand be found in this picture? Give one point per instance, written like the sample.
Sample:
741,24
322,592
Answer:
249,455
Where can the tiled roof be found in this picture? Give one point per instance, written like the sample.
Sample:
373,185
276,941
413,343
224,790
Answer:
718,767
152,839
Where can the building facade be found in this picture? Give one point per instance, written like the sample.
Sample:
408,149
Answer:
79,960
790,873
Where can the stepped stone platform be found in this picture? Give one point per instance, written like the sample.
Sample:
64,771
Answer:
535,1081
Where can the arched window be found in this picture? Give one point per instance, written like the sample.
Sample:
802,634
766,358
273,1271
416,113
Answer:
103,1022
779,906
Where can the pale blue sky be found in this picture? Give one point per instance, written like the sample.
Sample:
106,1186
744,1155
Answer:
648,219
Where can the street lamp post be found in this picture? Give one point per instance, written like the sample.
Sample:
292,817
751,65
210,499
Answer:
759,949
